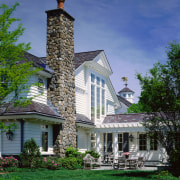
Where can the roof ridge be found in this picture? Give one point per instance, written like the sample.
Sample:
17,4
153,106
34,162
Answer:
88,51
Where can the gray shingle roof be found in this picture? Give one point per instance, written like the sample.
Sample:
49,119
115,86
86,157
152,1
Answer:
81,57
80,118
124,101
33,108
126,89
124,118
37,62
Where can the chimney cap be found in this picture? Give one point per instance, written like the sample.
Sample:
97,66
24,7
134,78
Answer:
61,3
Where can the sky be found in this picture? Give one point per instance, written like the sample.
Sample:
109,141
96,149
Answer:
134,34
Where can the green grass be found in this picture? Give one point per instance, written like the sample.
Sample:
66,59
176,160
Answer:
82,175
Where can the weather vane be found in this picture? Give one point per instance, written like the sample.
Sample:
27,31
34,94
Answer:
125,79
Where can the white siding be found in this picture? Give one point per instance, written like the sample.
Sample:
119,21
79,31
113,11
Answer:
81,91
34,130
11,147
110,108
80,78
31,130
83,139
33,91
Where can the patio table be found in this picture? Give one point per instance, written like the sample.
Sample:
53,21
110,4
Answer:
132,162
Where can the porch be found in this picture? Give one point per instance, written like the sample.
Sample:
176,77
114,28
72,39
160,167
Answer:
109,139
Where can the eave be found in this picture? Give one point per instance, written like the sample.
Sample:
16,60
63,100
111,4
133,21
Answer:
34,117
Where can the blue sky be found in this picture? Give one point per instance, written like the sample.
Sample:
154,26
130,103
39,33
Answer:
133,33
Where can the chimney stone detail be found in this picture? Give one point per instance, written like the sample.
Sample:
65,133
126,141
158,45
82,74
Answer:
61,91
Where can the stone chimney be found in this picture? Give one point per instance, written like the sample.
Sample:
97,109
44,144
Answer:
60,58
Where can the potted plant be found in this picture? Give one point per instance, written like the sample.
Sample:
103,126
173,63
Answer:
126,154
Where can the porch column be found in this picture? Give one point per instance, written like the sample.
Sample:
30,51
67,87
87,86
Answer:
98,142
89,141
115,143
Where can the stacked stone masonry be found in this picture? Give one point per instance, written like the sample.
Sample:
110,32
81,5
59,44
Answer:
61,90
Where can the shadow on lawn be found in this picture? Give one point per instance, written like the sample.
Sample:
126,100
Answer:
136,174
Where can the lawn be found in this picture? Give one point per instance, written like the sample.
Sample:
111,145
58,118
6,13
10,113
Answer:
82,175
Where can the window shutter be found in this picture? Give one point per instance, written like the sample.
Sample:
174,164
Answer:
109,142
126,142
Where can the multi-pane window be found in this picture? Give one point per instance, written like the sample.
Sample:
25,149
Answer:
45,138
97,97
142,142
92,102
120,142
153,143
92,78
103,101
98,103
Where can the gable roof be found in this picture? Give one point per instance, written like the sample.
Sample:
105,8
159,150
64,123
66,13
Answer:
124,118
81,57
124,101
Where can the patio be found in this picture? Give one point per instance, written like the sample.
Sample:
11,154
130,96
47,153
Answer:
109,167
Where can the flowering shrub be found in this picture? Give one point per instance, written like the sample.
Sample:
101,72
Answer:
51,162
7,162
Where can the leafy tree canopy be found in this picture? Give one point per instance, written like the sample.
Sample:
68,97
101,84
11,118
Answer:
135,108
14,69
161,87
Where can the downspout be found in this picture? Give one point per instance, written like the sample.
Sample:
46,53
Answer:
22,134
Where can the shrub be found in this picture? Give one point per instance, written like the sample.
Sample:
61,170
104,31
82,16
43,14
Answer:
93,154
31,154
72,152
70,163
8,162
163,175
51,163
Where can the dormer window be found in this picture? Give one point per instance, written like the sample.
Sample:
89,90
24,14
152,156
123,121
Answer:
40,85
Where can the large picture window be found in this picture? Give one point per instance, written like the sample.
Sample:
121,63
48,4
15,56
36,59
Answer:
142,142
97,97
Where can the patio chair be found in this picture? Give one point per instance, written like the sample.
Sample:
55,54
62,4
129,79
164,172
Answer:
140,162
109,158
122,162
115,163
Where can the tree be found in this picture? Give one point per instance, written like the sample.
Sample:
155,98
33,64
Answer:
160,97
15,70
135,108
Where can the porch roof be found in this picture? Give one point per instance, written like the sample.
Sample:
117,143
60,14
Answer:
124,118
84,121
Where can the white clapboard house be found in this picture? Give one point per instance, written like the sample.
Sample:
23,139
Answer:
101,121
